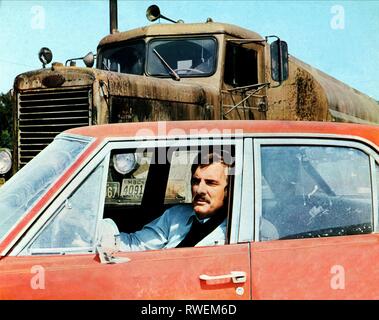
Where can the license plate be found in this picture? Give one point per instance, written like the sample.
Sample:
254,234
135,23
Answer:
113,190
133,189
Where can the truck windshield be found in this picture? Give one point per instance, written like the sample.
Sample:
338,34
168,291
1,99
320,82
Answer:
128,57
188,57
22,191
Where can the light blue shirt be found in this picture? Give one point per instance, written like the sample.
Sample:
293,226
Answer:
168,230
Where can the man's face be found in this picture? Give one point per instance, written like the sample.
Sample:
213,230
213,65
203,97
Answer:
209,189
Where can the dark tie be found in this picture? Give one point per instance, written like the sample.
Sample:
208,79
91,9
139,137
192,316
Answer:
199,231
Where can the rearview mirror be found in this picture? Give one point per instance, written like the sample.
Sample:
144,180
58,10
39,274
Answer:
279,60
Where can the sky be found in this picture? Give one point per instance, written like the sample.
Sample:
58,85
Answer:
340,38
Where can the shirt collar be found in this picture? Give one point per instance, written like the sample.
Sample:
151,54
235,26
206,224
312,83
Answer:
194,216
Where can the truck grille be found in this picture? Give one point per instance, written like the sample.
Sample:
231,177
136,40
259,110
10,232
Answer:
44,114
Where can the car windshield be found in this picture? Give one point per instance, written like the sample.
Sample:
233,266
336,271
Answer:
19,194
188,57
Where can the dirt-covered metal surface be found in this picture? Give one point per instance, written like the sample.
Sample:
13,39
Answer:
312,95
181,29
307,103
344,103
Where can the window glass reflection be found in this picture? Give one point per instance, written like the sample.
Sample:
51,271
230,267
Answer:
315,191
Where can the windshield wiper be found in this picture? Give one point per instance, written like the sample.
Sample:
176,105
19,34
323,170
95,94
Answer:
172,73
106,67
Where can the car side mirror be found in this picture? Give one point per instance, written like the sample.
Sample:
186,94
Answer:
279,60
109,242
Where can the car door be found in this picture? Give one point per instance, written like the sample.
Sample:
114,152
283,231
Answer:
57,258
316,205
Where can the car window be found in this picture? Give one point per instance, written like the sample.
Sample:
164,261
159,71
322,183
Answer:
142,184
74,223
315,191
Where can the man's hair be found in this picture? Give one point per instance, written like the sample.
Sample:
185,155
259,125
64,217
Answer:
204,159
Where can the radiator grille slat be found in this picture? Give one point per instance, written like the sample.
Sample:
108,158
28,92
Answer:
44,114
48,101
31,115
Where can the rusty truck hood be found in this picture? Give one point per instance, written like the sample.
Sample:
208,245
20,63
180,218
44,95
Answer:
117,84
54,77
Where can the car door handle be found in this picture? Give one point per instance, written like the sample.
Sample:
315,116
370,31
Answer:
236,276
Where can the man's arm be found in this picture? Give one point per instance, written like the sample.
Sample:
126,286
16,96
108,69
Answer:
152,236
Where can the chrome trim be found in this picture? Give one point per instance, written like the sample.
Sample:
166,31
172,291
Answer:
75,137
257,190
58,251
238,133
170,143
246,225
237,191
374,167
236,276
100,214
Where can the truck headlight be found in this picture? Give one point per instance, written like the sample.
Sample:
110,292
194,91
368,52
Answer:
5,161
124,162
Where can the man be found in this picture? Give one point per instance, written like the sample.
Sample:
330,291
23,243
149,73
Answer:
199,224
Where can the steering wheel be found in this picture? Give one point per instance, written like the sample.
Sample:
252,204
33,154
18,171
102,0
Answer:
189,70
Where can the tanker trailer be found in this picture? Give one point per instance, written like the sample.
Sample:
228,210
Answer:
310,94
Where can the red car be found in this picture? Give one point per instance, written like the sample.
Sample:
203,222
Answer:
302,213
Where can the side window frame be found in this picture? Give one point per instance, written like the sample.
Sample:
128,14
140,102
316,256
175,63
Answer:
195,141
375,189
233,51
246,230
259,142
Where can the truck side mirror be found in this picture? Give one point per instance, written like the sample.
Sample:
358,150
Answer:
89,59
279,60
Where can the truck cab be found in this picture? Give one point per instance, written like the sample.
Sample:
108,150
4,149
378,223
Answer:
212,58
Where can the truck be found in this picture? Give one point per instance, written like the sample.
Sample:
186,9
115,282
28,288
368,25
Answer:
177,71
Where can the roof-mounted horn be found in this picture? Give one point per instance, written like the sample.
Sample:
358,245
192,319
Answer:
153,13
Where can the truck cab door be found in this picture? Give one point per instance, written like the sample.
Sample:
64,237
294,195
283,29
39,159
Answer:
243,95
